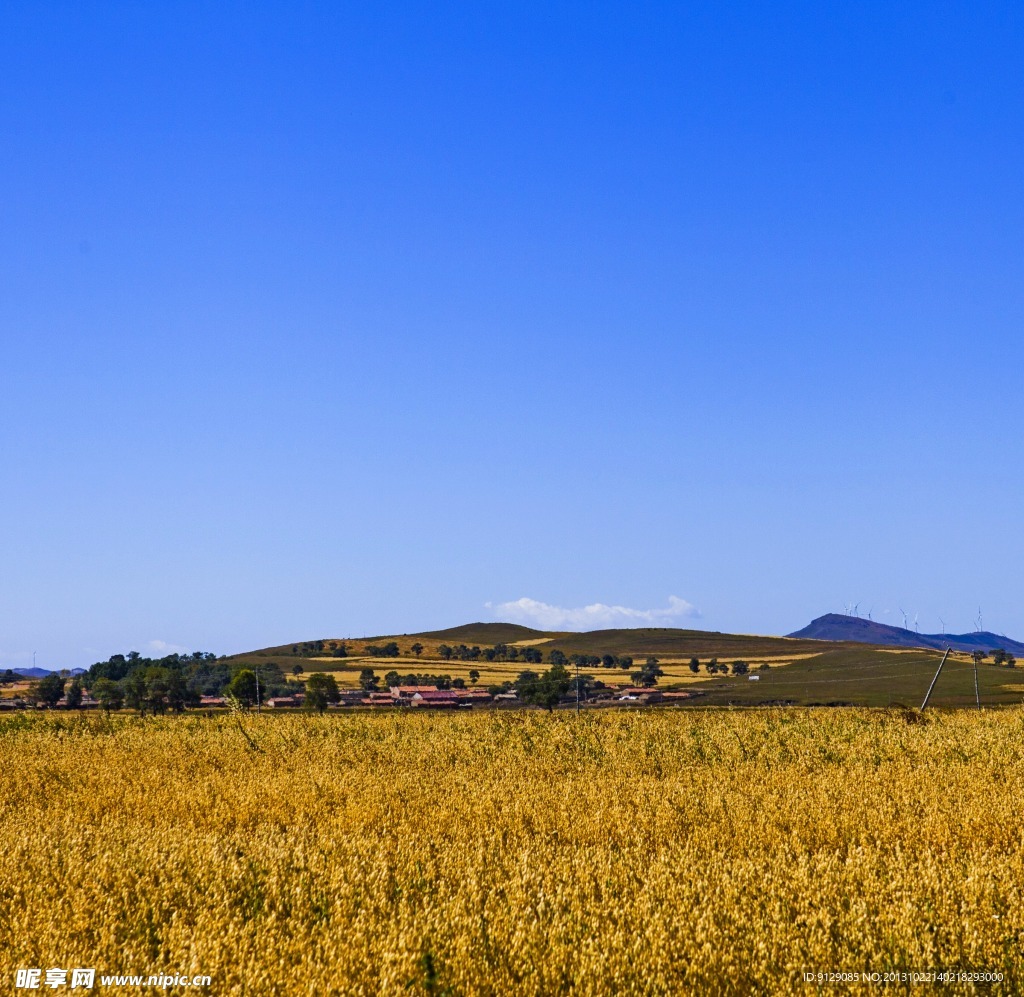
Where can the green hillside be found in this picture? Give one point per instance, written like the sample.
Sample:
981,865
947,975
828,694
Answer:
801,671
869,677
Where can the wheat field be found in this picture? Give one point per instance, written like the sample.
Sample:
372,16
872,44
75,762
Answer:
718,852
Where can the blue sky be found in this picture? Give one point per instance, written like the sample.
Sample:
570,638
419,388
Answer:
325,320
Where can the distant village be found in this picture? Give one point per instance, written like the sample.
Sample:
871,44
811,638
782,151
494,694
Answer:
203,681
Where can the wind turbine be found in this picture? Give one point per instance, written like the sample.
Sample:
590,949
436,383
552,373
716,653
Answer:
903,612
943,624
979,623
916,629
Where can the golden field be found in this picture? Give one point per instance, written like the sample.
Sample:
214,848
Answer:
719,852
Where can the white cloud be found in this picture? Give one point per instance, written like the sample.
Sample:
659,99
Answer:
162,648
596,616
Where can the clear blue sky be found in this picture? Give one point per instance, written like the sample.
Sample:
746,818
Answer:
324,319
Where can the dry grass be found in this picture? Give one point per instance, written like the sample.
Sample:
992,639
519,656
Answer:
649,853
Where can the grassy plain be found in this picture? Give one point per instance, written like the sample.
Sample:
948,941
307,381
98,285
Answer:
712,851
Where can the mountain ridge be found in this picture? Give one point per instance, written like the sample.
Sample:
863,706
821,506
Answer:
837,627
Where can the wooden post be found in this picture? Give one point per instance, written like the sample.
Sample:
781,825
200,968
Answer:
927,695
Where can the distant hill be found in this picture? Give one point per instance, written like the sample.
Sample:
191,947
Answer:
41,673
666,642
836,627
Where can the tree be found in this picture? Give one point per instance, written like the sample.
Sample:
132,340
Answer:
156,689
444,652
297,670
368,680
474,676
417,649
73,697
998,656
543,690
108,694
178,693
608,661
648,675
740,668
49,690
557,658
458,683
321,690
694,665
134,687
625,662
243,687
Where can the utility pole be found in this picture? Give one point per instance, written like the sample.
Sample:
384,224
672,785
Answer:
257,671
977,696
577,685
927,695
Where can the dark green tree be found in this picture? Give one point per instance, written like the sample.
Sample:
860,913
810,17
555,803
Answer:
417,649
694,665
108,694
134,686
648,675
49,690
474,676
73,696
178,693
543,690
368,680
242,687
321,691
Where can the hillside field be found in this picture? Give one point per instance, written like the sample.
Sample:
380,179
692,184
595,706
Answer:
710,851
801,671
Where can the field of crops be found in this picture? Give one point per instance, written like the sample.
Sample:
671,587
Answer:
515,853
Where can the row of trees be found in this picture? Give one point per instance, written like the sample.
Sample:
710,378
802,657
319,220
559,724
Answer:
321,648
394,678
500,652
150,685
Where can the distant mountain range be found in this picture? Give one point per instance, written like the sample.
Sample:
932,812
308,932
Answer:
835,626
41,673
